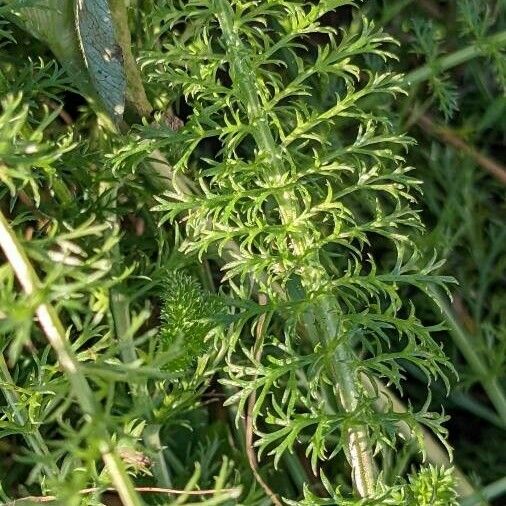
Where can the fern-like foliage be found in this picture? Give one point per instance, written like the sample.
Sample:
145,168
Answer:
432,486
477,20
477,24
188,317
427,44
309,183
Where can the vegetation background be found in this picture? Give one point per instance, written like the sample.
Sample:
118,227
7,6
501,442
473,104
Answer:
221,281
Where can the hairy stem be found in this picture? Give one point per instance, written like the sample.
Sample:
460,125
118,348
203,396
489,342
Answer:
242,73
55,333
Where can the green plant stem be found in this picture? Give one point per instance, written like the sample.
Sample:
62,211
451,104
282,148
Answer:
54,331
139,104
242,73
120,307
152,440
488,493
467,347
456,58
121,316
359,447
33,437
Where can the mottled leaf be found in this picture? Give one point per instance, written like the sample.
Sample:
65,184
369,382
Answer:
102,53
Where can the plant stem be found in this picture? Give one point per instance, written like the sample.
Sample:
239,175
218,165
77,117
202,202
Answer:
467,347
135,94
139,104
161,471
243,75
457,58
230,493
359,446
446,135
55,333
490,492
262,324
121,316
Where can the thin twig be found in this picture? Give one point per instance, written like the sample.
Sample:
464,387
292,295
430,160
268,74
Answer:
234,493
62,113
250,452
446,135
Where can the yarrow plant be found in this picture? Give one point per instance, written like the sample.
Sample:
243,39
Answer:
296,200
213,273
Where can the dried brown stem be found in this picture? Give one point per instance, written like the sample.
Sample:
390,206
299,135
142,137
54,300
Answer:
250,452
447,136
62,113
234,493
431,8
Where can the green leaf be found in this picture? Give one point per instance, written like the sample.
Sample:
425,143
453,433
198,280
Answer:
102,53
